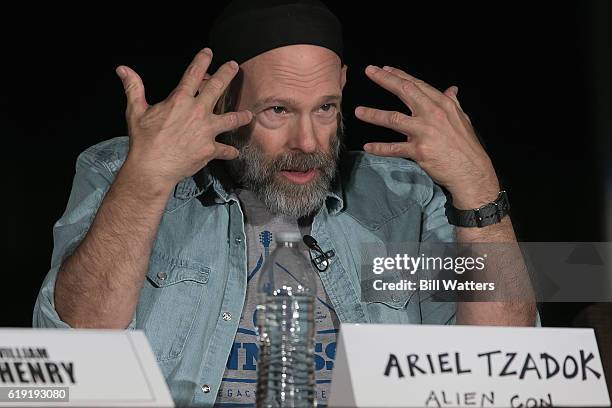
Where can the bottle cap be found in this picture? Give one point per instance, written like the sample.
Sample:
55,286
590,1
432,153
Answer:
287,236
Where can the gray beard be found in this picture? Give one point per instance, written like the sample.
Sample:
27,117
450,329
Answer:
253,171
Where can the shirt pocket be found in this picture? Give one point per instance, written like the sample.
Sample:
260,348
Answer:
389,306
169,301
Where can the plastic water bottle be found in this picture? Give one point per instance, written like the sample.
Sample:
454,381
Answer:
285,322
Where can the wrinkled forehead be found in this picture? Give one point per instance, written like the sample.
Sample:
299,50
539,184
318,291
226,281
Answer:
302,72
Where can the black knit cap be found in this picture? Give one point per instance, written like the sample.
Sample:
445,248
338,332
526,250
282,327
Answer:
247,28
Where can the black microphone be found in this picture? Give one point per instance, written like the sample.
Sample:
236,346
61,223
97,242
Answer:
320,262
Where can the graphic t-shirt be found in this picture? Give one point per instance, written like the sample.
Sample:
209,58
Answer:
240,378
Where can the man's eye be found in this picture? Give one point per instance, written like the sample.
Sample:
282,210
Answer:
279,110
327,107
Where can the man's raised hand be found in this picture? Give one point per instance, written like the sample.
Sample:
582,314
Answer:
176,137
439,137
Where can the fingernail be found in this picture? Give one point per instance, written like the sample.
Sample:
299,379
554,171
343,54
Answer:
387,68
367,147
372,69
359,111
233,64
456,90
121,72
207,51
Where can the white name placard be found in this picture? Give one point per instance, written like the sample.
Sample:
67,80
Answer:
380,365
79,367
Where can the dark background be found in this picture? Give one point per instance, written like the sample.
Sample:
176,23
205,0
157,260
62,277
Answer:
532,77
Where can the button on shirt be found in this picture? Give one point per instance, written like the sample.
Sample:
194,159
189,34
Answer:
195,286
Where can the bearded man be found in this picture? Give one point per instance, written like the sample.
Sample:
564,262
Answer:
167,229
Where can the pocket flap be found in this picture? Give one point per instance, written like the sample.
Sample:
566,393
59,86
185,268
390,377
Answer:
396,299
165,270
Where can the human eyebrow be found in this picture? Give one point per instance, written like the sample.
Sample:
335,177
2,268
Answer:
330,98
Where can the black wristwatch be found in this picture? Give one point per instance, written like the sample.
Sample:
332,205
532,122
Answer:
488,214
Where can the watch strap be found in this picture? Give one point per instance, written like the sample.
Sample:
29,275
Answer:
487,214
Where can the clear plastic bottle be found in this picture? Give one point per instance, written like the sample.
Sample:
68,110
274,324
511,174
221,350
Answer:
285,321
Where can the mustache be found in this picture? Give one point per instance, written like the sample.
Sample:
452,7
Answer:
300,161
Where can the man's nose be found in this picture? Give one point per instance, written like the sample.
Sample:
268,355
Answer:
304,138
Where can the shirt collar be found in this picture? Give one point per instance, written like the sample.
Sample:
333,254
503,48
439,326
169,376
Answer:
335,196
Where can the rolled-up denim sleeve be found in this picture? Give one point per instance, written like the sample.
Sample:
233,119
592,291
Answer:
436,228
91,182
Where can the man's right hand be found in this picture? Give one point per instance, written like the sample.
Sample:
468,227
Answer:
175,138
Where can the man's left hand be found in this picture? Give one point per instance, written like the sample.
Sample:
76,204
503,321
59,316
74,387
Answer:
439,137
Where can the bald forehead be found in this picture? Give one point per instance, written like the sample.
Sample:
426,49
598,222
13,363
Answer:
293,69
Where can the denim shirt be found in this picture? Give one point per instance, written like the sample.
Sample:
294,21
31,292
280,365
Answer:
191,300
